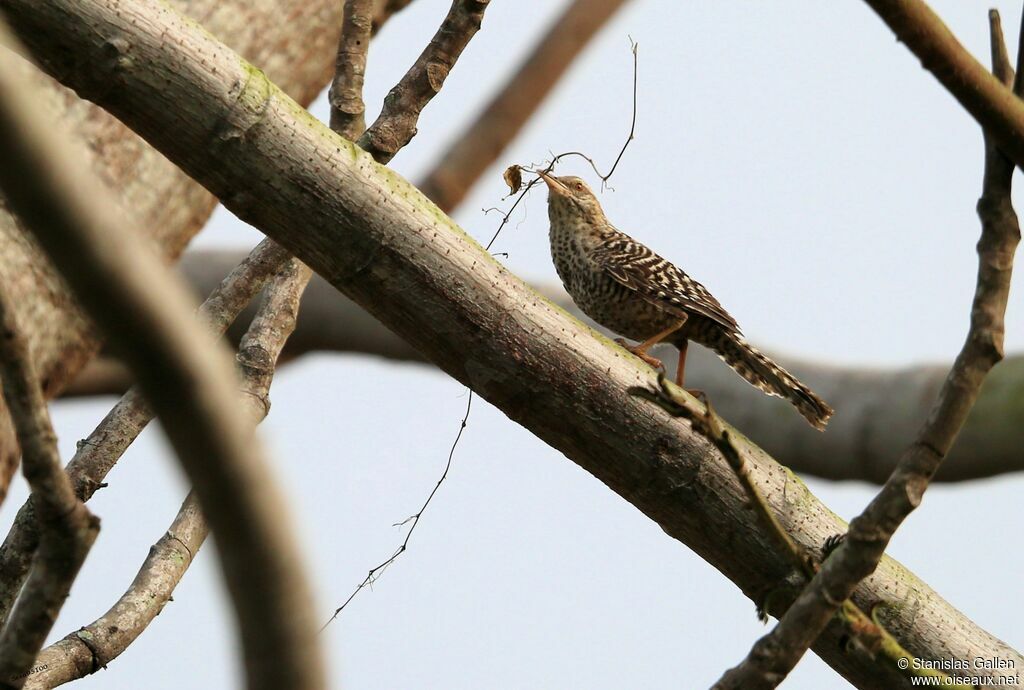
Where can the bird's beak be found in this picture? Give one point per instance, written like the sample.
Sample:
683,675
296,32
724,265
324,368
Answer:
553,184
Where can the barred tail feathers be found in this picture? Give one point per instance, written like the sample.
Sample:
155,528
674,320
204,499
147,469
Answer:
763,373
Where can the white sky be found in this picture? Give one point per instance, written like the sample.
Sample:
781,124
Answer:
796,132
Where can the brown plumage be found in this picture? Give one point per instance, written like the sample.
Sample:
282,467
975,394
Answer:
627,288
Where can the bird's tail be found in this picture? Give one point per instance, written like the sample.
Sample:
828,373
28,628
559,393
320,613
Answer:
759,370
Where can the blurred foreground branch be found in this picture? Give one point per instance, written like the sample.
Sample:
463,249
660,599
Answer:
95,645
298,54
134,299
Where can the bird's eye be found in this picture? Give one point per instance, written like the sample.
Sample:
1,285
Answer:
579,186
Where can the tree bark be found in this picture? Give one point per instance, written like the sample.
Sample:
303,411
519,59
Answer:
292,40
378,239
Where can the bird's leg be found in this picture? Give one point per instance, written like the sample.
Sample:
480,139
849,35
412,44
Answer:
640,350
680,374
681,369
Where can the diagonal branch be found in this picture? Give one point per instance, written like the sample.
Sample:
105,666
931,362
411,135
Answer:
68,529
775,655
396,125
93,646
992,103
388,248
134,299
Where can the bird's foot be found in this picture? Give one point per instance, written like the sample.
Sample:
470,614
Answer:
831,544
642,354
697,393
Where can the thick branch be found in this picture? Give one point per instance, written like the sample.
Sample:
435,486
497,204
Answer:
95,645
297,54
482,142
98,454
392,251
776,654
68,529
133,298
396,125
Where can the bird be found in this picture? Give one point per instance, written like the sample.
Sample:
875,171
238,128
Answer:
629,289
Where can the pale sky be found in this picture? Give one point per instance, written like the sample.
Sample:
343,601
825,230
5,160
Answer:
794,158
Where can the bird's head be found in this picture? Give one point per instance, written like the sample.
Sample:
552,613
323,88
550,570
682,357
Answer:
571,196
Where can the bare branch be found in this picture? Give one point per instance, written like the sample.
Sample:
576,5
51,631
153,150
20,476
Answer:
476,148
346,92
98,454
92,647
991,103
68,529
388,247
133,298
396,125
775,655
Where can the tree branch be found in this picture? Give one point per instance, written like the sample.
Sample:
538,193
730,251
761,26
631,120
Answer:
346,92
391,250
68,528
775,654
132,296
98,454
396,125
112,633
296,54
476,148
991,103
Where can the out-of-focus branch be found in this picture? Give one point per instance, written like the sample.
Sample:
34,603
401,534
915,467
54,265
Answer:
98,454
476,148
68,528
95,645
133,298
881,407
390,249
774,655
346,92
396,125
383,9
296,53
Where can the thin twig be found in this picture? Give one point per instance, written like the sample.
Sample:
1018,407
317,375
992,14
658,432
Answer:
775,655
550,166
67,528
396,125
346,92
97,454
377,571
97,644
480,144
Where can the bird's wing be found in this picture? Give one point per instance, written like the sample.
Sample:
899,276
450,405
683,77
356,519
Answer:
659,281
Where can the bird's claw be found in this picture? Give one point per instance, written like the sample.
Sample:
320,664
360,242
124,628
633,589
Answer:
635,350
